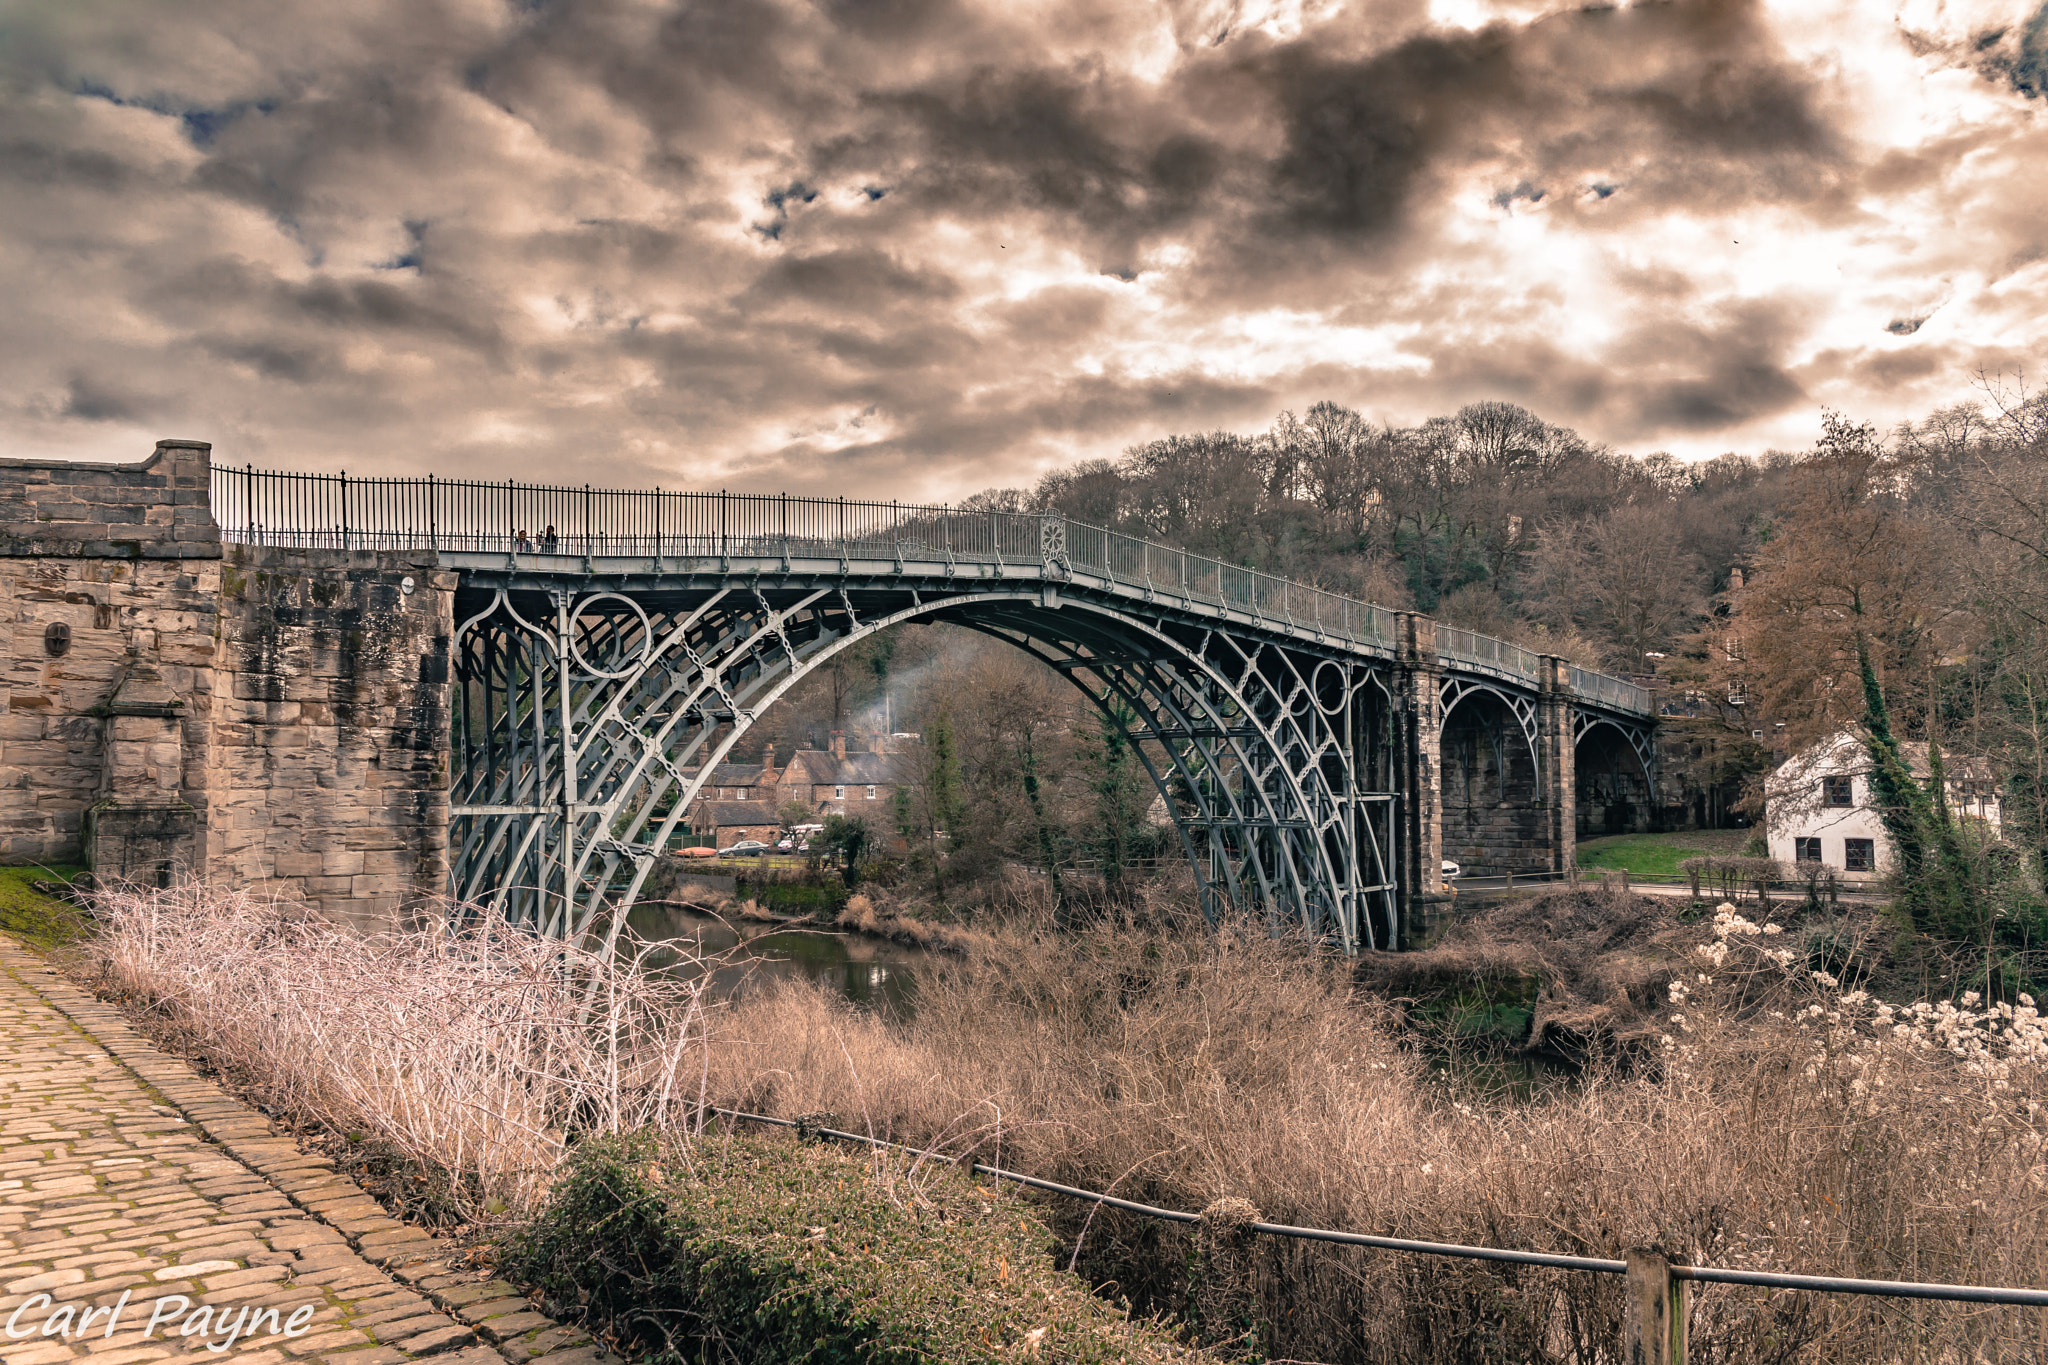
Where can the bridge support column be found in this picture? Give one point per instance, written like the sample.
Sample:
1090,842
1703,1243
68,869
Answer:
1419,777
1557,775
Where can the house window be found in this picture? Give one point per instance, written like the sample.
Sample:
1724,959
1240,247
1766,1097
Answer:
1859,855
1838,791
839,793
871,793
1806,850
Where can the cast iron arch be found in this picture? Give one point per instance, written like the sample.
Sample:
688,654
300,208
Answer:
652,693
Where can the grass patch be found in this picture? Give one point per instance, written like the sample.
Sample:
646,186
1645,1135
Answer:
795,898
1658,855
764,1249
27,913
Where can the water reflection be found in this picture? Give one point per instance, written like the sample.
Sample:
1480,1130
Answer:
871,972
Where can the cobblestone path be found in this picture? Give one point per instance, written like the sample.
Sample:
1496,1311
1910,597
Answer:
123,1172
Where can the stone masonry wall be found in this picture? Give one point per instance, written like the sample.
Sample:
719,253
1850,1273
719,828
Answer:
53,736
1494,818
1614,794
155,509
274,719
329,762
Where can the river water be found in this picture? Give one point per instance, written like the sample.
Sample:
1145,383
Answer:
868,971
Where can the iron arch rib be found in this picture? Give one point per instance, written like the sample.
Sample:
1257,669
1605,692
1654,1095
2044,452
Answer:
588,722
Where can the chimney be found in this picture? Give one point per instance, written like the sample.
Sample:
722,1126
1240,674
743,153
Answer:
768,763
839,745
1735,579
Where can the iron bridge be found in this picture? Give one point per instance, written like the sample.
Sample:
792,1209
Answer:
603,672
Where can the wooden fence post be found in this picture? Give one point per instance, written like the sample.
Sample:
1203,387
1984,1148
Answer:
1653,1318
1226,1285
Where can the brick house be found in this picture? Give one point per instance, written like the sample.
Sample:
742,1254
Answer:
745,800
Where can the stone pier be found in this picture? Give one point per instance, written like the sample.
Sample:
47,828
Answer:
273,718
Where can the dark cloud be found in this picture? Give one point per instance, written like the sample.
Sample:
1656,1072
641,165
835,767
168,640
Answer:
860,280
91,400
1729,372
921,240
1059,143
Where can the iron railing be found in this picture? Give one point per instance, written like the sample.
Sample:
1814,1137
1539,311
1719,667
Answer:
474,516
1609,690
1769,1279
1501,656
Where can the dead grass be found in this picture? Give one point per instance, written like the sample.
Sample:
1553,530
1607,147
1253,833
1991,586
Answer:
1597,961
1180,1068
1783,1126
474,1052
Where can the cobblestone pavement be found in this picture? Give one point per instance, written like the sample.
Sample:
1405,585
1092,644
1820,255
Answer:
124,1173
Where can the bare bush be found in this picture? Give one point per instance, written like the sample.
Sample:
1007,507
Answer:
475,1051
1182,1068
1780,1122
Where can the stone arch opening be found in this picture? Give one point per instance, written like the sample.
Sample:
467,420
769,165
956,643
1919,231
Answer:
1494,819
1613,792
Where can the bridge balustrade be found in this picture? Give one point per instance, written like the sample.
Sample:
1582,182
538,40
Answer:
334,511
1619,693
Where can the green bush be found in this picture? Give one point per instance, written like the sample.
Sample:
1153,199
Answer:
769,1250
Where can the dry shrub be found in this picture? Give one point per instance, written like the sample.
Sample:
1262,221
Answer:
1786,1124
476,1052
1603,958
862,915
1180,1067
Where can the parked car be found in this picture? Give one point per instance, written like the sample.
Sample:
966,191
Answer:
784,844
745,848
1452,871
699,852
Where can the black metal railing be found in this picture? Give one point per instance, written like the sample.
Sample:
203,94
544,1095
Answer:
474,516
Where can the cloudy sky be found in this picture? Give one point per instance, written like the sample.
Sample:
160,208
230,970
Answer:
919,247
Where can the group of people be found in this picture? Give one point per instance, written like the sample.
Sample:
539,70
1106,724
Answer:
547,544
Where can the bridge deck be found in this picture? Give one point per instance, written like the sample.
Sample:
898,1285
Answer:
651,537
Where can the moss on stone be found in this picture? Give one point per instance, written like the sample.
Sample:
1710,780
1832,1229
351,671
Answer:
28,914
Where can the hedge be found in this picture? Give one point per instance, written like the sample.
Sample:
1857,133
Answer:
767,1249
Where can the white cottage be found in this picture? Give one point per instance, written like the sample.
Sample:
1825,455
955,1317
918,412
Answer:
1819,807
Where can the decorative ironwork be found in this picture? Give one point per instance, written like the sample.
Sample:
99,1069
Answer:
1641,734
614,646
587,723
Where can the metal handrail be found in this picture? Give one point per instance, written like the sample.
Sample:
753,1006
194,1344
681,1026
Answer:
1619,693
1826,1284
554,521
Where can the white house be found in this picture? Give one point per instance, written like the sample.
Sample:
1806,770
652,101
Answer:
1819,808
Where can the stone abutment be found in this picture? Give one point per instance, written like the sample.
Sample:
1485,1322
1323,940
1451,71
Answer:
276,719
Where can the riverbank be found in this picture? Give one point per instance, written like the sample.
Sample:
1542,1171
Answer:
1780,1122
472,1064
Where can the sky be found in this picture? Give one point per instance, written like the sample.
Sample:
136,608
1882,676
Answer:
917,248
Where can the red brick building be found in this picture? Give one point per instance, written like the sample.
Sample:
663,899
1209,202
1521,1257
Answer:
745,800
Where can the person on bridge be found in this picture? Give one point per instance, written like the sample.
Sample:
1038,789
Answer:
519,546
547,541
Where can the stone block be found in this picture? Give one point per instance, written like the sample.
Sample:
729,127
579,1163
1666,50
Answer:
339,863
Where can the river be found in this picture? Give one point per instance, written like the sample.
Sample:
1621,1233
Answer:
868,971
